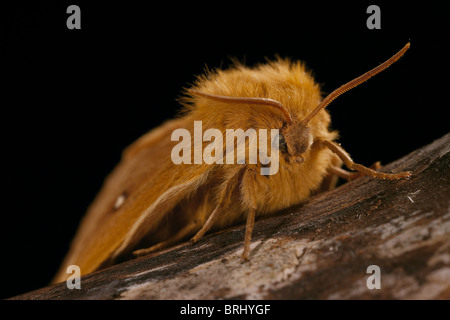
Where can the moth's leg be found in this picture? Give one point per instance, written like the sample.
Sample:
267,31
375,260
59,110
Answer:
248,232
345,157
224,199
248,192
182,233
347,175
209,223
341,173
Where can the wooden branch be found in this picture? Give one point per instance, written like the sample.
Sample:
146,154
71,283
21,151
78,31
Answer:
318,250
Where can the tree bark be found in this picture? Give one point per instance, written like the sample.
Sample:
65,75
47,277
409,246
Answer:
318,250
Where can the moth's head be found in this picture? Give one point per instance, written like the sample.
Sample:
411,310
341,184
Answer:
295,139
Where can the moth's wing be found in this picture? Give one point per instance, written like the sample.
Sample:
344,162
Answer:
150,184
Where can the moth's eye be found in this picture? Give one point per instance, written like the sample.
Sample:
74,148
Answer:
282,145
119,201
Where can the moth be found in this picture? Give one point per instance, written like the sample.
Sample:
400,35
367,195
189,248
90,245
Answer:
149,203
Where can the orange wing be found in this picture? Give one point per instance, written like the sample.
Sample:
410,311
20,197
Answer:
140,191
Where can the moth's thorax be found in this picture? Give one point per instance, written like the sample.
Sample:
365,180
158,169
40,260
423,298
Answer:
282,80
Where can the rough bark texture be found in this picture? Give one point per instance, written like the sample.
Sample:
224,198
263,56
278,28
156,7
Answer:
318,250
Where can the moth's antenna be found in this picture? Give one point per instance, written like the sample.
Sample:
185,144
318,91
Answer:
249,100
350,85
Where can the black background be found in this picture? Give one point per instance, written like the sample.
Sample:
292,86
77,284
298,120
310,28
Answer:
72,100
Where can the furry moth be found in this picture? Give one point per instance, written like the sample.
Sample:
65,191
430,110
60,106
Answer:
148,202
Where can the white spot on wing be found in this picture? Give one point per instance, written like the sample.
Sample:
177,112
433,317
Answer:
119,201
